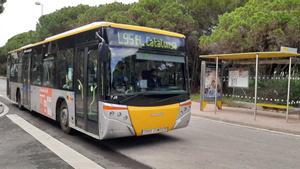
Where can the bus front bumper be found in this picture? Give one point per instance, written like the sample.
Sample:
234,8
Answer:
121,121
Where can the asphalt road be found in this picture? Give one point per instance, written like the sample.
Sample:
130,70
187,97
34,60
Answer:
2,86
203,144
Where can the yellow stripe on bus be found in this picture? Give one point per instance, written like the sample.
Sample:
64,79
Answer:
156,117
96,25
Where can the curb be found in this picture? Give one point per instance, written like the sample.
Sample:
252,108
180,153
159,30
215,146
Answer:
249,125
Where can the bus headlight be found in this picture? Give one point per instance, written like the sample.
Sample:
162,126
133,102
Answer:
185,108
183,117
117,112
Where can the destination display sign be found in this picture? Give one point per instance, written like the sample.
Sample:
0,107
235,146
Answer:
122,37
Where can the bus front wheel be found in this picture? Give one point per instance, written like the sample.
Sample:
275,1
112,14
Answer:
64,118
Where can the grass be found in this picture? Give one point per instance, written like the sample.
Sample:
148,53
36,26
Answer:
195,97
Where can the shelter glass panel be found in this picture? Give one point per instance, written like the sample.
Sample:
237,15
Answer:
272,81
295,83
238,81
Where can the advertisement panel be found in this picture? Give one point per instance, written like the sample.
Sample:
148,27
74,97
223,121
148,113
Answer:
210,85
238,78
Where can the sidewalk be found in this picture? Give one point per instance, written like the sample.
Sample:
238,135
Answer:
264,119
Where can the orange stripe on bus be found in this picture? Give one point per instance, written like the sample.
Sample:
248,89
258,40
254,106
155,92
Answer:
114,108
186,104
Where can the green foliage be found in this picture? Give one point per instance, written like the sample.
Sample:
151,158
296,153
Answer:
195,97
59,21
206,12
119,17
164,14
108,12
20,40
257,26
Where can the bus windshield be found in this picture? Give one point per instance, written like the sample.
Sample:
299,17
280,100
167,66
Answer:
135,71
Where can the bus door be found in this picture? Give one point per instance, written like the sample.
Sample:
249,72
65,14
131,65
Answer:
86,87
8,74
26,79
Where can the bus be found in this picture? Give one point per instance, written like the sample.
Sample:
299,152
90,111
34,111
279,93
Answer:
105,79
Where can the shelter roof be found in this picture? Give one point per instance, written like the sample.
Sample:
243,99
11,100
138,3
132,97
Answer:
250,55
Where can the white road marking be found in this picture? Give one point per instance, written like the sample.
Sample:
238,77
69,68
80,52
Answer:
250,127
6,98
5,110
69,155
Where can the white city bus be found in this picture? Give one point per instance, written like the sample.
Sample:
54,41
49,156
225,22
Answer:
104,79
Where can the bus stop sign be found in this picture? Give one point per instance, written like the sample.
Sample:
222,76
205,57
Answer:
289,50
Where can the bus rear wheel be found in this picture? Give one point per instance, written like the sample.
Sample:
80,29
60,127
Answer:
64,118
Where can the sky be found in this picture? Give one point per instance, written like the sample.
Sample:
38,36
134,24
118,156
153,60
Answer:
22,15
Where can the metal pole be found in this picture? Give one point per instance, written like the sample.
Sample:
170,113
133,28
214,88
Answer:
42,9
288,91
202,83
216,89
255,90
200,90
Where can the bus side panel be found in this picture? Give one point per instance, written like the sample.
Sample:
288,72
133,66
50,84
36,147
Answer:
69,97
13,90
35,98
44,101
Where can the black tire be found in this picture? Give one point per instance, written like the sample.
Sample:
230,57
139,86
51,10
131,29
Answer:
64,118
19,101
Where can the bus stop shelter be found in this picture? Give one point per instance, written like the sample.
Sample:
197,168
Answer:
266,79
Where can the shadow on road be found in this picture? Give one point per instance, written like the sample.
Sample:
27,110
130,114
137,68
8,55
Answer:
134,142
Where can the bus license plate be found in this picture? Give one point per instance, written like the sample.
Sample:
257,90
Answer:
154,131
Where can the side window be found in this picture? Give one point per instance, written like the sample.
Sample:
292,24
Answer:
64,69
48,77
48,72
25,66
13,69
8,67
36,68
19,68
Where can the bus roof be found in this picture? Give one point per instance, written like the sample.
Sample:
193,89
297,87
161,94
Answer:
96,25
250,55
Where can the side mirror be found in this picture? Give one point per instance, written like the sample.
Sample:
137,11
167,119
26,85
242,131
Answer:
103,51
102,48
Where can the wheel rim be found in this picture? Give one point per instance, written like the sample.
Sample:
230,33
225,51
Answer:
64,117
